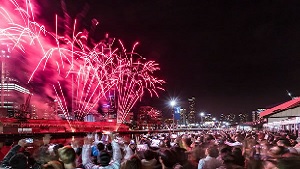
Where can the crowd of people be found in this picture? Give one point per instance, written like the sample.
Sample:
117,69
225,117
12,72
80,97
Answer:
190,150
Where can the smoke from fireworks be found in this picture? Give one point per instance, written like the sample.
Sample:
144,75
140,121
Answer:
77,75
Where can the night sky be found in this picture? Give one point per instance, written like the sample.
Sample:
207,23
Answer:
233,56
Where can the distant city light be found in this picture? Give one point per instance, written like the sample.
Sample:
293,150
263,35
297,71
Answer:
172,103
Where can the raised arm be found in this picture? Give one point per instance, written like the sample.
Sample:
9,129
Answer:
12,152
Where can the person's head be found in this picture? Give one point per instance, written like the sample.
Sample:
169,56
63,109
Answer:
283,142
225,151
261,136
132,147
108,147
289,162
228,159
167,142
133,163
53,165
78,151
46,138
180,155
18,161
166,158
67,155
178,166
212,151
277,151
56,147
293,142
237,152
209,137
105,158
187,141
100,146
238,138
198,153
149,155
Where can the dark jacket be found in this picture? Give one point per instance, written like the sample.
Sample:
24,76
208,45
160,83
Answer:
13,151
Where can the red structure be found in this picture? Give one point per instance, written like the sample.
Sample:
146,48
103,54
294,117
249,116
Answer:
31,126
284,106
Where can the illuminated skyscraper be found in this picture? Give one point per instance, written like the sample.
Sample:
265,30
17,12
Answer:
191,114
243,118
14,97
255,114
183,117
231,118
222,117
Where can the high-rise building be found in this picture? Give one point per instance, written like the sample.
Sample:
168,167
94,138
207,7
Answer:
243,117
222,117
255,114
231,118
208,117
192,111
14,97
176,114
183,117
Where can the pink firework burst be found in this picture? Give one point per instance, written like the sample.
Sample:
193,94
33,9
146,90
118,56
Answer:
135,76
80,75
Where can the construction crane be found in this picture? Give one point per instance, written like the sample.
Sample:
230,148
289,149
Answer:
24,111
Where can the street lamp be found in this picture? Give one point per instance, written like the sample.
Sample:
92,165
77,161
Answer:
214,121
172,104
202,114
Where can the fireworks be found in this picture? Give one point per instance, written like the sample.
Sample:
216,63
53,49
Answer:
80,75
135,75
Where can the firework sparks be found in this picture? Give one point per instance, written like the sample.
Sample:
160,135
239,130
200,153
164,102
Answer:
82,75
135,76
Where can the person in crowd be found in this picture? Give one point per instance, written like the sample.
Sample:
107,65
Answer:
228,162
42,155
197,153
277,151
286,144
54,153
105,158
183,157
130,150
209,139
237,141
149,161
210,161
97,150
109,148
54,164
239,159
133,163
224,151
255,152
186,143
288,162
15,160
78,160
166,159
67,155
